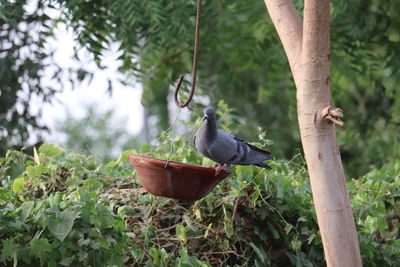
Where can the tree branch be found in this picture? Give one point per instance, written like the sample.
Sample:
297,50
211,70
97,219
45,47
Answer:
333,115
289,26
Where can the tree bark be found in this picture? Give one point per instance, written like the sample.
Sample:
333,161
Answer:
307,47
145,137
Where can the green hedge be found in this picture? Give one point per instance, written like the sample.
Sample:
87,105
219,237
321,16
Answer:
64,209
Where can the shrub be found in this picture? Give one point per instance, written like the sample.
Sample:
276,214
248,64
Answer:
59,208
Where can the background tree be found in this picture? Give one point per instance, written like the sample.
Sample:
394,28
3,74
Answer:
25,62
98,133
241,62
23,59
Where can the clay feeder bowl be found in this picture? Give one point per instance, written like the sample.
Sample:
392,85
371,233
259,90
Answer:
175,179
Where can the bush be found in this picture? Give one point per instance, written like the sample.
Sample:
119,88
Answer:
59,208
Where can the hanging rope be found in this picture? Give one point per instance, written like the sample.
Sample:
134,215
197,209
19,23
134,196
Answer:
194,67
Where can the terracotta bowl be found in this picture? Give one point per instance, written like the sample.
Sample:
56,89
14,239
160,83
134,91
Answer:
175,179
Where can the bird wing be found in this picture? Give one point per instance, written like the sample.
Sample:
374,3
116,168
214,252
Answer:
228,149
222,148
250,145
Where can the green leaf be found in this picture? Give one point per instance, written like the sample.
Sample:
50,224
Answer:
197,213
36,156
49,150
67,261
26,209
260,253
60,224
371,224
9,251
275,233
302,219
184,254
295,244
5,195
34,171
244,171
93,184
82,255
181,233
154,253
55,199
40,247
189,222
225,244
83,242
18,185
164,256
103,218
311,238
137,254
288,228
209,227
124,155
228,229
127,210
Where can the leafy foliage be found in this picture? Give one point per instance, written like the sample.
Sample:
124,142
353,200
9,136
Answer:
376,202
241,61
63,208
365,81
51,217
22,62
25,61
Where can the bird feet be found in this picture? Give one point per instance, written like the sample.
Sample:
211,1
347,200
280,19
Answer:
219,169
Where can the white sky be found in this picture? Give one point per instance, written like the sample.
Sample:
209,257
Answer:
125,100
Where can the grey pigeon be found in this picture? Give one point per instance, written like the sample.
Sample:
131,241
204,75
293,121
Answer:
224,148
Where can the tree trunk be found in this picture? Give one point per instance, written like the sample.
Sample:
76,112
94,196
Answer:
307,48
145,137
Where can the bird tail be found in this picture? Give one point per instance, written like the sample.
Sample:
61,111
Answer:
262,151
263,165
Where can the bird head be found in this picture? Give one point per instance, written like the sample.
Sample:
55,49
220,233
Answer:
209,113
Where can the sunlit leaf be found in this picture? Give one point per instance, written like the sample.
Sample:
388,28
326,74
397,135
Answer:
36,156
60,224
18,185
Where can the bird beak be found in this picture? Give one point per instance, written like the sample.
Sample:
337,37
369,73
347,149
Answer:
205,117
